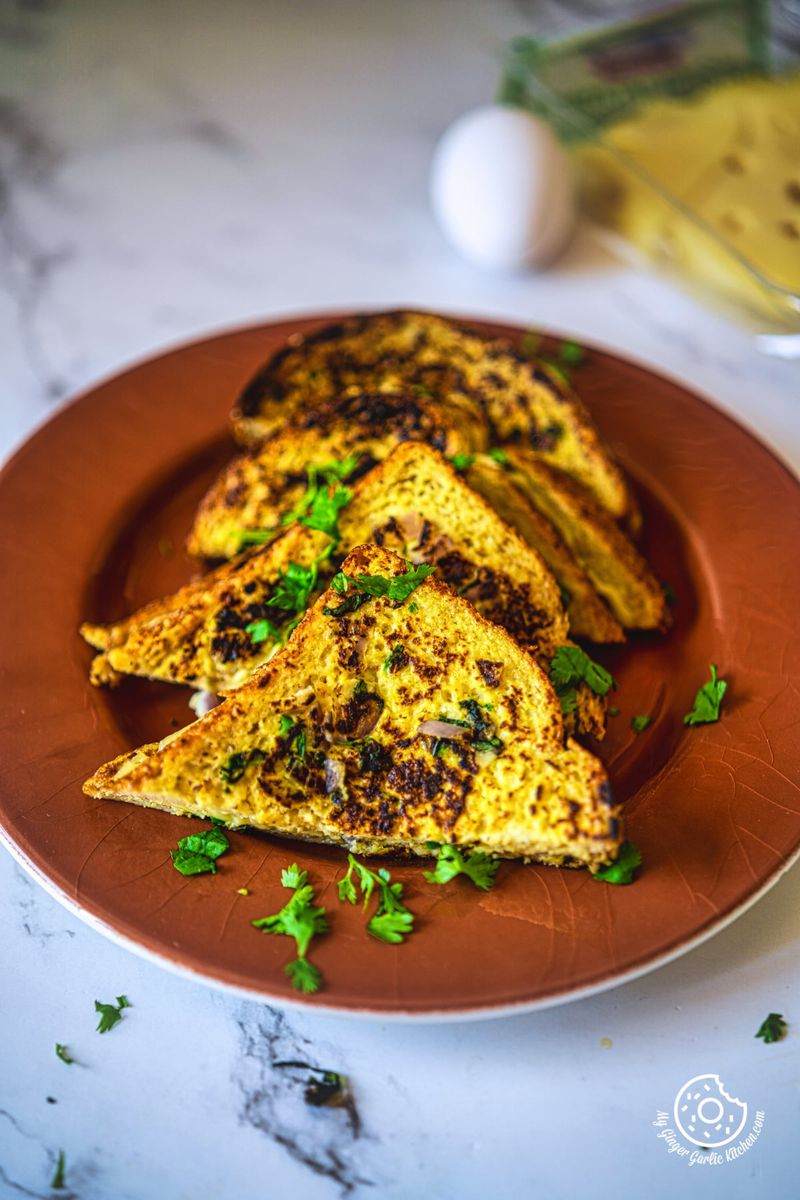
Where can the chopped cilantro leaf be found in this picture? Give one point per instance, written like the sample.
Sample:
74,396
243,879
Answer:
197,852
462,462
621,870
262,629
110,1014
392,922
236,764
211,842
398,587
639,723
302,920
293,877
773,1028
707,701
613,711
323,513
395,659
570,354
478,866
58,1182
293,588
571,666
499,456
289,727
304,975
531,343
256,537
320,505
63,1053
413,607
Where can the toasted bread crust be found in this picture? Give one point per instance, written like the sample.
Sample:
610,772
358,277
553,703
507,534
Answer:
589,616
369,775
198,636
526,402
616,568
259,487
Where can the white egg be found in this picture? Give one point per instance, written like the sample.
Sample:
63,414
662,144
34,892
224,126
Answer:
502,189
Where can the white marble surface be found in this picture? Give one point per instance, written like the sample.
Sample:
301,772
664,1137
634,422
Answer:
169,168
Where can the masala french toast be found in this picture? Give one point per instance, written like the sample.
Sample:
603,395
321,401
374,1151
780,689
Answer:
588,614
526,402
394,716
213,633
616,568
258,489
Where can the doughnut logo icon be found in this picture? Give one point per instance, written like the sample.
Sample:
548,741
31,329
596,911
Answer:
706,1115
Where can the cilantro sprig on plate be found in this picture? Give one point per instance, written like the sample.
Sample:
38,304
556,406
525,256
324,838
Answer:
197,853
392,922
622,869
478,866
302,920
572,666
708,700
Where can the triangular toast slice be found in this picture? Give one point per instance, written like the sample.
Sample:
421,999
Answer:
258,489
589,615
616,568
414,503
526,402
386,722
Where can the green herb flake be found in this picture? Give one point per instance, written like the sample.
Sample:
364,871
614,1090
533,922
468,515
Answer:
707,701
571,666
639,723
397,587
669,594
63,1053
613,711
392,922
302,920
58,1182
236,764
478,866
498,455
197,853
110,1014
570,354
773,1028
256,537
413,607
395,659
462,462
622,869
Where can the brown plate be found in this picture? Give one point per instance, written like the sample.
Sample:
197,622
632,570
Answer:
89,509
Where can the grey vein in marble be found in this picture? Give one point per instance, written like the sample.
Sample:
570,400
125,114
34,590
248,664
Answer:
327,1140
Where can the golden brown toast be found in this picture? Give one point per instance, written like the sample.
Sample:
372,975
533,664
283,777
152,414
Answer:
526,401
257,489
388,721
414,503
588,615
199,635
616,568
